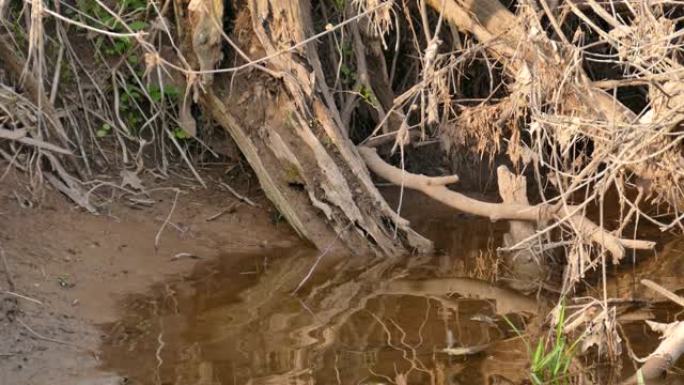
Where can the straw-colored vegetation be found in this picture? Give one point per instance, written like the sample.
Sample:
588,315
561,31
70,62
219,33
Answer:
582,99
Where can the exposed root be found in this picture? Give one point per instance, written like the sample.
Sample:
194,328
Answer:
669,350
541,213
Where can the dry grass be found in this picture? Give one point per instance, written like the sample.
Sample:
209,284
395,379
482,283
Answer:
526,92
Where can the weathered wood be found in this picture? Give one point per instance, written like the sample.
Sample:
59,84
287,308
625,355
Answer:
507,38
540,213
524,265
296,218
670,348
305,163
206,21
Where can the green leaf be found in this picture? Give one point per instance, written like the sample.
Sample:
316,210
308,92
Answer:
138,25
171,91
133,5
561,321
346,71
103,130
154,92
536,380
106,19
179,133
640,378
538,354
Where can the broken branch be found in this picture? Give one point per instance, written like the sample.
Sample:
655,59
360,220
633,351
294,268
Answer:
435,188
672,346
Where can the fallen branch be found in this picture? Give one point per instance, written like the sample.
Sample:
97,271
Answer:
671,347
20,136
237,195
663,291
507,38
525,266
540,213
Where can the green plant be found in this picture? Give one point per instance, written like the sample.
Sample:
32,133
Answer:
550,361
133,99
64,281
367,95
169,92
131,11
340,4
277,217
104,130
348,74
180,133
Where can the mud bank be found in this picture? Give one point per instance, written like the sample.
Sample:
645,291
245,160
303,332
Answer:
69,269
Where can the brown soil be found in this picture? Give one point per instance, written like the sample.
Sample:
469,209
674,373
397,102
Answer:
70,268
75,273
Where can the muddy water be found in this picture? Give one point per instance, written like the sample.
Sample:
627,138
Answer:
245,319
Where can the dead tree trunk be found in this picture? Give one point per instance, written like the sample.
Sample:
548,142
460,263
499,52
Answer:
297,139
294,141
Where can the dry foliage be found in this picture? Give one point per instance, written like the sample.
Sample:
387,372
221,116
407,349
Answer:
584,98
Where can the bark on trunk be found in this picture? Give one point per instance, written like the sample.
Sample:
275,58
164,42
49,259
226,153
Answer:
294,142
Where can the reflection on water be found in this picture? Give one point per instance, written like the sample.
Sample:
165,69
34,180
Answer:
236,320
240,324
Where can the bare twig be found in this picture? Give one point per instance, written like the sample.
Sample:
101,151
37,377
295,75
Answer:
22,297
230,209
670,348
237,195
166,221
54,340
663,291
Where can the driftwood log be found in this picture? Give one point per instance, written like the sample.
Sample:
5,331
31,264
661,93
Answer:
540,213
670,348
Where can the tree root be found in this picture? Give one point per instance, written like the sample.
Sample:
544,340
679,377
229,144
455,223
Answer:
507,301
540,213
507,39
671,347
59,178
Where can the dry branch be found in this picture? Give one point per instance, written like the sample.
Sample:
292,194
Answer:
12,62
528,54
540,213
667,352
663,291
508,301
670,349
525,266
